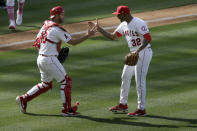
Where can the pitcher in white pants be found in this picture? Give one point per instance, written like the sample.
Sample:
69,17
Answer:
138,38
140,72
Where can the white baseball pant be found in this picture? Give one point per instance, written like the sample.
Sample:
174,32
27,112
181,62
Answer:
140,72
50,68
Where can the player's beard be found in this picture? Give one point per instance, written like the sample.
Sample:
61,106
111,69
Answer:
121,20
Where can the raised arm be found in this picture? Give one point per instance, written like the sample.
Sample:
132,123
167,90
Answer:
111,36
75,41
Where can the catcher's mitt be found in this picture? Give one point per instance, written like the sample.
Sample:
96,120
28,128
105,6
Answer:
63,54
131,59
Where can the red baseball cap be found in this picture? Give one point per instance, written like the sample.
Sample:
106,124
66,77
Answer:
56,11
122,10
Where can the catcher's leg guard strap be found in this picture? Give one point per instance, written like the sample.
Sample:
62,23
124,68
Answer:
37,90
66,92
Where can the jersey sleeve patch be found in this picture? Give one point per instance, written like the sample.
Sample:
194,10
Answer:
144,28
66,36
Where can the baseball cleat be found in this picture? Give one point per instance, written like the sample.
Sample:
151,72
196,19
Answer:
72,111
21,103
66,114
19,18
12,25
75,107
120,108
138,112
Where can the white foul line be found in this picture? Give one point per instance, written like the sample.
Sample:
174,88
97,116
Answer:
106,28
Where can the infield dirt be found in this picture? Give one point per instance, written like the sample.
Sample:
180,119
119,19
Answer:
106,22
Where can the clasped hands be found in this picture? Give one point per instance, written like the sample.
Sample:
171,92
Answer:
93,27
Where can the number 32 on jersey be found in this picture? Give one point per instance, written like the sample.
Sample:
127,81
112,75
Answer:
136,42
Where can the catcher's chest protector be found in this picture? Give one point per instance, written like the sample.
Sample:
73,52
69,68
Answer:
43,37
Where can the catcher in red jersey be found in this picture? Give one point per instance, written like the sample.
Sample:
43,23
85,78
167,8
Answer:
48,42
137,61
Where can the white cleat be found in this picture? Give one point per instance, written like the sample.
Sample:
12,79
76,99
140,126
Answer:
21,104
12,25
19,18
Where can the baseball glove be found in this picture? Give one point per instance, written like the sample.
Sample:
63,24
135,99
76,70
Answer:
131,59
63,54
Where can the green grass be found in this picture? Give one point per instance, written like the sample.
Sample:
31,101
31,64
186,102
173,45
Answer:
96,67
36,11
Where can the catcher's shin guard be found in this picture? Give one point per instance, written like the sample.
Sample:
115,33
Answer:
66,86
68,91
66,98
37,90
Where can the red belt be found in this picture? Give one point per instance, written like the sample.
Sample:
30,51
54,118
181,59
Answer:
47,55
